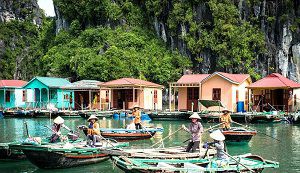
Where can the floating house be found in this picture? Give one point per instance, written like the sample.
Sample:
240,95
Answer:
230,89
11,94
124,93
275,92
86,95
46,92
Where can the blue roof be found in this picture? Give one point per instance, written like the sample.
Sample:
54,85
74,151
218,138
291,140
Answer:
51,82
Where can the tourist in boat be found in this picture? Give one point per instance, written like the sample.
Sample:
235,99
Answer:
219,138
196,129
93,133
137,117
58,122
225,120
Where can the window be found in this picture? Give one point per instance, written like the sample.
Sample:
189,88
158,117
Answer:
155,96
53,94
24,95
66,96
216,95
7,96
267,94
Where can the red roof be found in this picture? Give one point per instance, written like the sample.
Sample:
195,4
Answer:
239,78
274,80
129,82
192,78
12,83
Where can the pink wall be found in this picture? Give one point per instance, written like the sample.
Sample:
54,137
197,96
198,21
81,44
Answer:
182,98
226,91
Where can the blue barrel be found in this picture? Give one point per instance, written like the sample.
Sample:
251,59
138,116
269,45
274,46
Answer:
240,106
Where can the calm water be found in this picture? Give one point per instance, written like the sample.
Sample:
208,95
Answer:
287,152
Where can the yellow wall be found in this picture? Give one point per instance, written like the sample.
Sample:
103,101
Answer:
182,98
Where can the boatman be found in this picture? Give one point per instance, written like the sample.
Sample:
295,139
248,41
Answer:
137,117
225,119
58,122
196,129
93,132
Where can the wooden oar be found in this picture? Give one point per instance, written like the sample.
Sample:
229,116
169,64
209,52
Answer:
256,130
251,170
206,130
165,137
26,127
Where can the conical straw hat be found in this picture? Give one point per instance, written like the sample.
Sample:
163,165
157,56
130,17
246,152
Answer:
217,135
195,115
58,120
225,110
92,117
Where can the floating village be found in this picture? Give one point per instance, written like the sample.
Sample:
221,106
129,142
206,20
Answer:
227,102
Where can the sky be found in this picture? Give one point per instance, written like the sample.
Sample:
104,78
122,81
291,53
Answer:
47,6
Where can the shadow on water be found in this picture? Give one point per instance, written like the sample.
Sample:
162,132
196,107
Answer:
286,151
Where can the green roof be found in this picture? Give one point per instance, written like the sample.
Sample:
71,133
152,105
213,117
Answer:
51,82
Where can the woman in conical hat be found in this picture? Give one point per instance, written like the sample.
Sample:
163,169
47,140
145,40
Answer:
219,138
195,128
93,130
137,117
225,119
57,124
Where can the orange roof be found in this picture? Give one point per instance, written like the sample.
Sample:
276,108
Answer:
192,78
12,83
130,82
274,80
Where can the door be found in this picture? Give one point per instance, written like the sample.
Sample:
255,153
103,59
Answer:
192,98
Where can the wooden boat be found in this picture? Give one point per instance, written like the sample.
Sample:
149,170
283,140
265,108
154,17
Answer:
177,152
66,155
172,116
7,153
238,135
135,165
266,117
128,134
100,114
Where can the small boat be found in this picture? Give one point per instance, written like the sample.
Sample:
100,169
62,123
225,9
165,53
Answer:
129,134
176,152
238,135
7,153
251,163
52,156
171,116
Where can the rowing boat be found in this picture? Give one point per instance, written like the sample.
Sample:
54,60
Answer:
129,134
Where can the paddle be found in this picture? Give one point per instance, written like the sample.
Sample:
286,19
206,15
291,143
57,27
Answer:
206,130
165,137
26,127
251,170
256,130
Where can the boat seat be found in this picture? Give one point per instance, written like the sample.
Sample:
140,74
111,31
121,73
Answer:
195,168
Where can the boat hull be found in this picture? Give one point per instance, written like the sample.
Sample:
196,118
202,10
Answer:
53,160
123,137
172,116
232,136
11,155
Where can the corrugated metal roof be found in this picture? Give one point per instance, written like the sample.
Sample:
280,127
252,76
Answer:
274,80
239,78
12,83
129,82
83,84
51,82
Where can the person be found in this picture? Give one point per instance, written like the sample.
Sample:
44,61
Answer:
195,128
58,122
226,120
81,101
218,143
93,132
137,117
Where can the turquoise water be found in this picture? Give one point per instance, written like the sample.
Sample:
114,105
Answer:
286,151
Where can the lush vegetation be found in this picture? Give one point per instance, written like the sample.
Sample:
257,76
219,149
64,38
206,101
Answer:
112,39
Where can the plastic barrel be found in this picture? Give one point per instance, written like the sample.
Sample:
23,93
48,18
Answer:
240,106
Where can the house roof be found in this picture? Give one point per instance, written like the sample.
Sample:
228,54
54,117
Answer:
51,82
12,83
83,84
197,78
274,80
192,78
129,82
